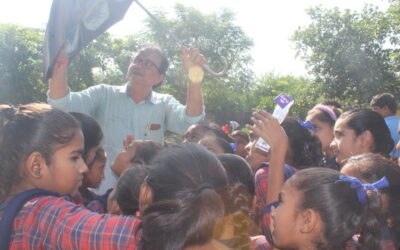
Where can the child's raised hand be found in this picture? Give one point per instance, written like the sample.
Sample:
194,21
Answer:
268,127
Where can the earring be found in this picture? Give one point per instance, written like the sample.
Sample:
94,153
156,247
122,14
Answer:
36,172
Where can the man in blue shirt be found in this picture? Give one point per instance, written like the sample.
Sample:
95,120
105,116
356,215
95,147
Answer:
133,108
385,104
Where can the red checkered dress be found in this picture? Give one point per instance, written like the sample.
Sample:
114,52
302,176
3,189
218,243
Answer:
51,222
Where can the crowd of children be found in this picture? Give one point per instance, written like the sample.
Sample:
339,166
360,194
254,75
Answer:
329,182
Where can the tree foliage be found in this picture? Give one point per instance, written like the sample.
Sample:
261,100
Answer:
348,53
215,35
299,88
351,57
20,64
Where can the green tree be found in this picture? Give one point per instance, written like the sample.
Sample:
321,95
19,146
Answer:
215,35
104,60
393,16
347,53
299,88
21,65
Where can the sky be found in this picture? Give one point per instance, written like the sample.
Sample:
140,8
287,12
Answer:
270,24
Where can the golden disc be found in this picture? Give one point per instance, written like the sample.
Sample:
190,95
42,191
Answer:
196,74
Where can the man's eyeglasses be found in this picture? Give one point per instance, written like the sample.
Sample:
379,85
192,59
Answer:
147,64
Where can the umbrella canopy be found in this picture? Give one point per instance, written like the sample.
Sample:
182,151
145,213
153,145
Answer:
75,23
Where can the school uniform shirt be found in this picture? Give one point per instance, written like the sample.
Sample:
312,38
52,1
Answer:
393,123
261,186
92,201
259,242
50,222
118,116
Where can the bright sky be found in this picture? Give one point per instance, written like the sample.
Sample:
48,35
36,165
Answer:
269,23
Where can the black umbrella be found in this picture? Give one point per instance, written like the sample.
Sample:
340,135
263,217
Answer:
76,23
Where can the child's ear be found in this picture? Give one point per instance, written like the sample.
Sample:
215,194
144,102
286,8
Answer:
145,197
367,140
386,110
310,221
35,165
114,208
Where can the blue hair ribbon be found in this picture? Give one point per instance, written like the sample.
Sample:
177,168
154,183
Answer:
233,146
307,124
362,188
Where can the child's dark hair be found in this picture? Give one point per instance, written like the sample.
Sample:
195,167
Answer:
91,131
185,181
371,168
361,120
29,128
146,150
127,189
306,147
220,134
241,134
343,215
222,143
239,201
385,99
238,171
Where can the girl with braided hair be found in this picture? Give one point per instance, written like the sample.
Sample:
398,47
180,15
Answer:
321,209
292,146
235,228
371,168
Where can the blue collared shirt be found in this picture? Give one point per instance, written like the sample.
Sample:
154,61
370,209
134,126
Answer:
393,123
118,116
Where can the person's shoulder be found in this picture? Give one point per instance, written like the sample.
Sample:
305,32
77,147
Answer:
46,206
392,118
161,98
161,95
107,87
49,201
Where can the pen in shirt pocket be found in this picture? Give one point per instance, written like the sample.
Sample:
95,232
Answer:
150,127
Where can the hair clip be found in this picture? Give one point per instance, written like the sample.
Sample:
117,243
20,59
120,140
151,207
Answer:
233,146
307,124
225,129
234,125
203,186
362,188
327,110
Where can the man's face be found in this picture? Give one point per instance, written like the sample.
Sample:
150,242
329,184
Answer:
144,70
